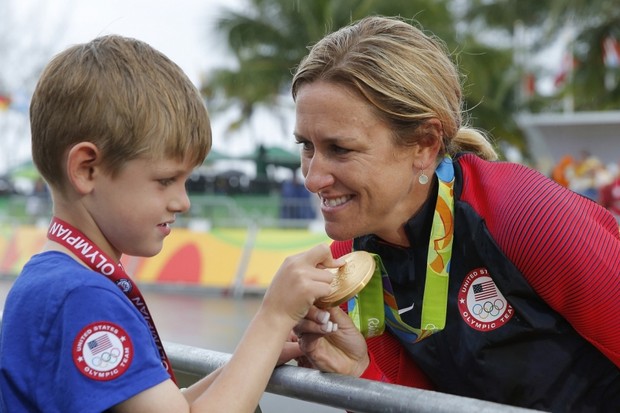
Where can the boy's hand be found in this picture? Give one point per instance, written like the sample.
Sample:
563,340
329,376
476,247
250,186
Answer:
301,279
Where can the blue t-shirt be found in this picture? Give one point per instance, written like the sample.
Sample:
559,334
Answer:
71,341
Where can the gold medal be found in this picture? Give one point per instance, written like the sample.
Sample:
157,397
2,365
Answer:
349,279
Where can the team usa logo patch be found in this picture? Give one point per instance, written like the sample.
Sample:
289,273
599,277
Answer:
102,351
481,304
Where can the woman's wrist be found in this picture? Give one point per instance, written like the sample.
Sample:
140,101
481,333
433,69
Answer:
361,367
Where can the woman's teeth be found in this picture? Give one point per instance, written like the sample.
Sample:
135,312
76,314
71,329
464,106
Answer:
334,202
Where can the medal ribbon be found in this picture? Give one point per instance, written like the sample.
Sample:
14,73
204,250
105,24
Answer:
435,299
90,254
366,308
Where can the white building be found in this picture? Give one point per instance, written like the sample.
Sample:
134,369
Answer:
553,135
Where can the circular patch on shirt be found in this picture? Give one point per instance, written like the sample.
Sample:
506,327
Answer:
102,351
481,304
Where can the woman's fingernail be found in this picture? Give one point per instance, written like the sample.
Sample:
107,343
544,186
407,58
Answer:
327,327
322,317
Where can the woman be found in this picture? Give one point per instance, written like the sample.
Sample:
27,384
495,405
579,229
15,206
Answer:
498,283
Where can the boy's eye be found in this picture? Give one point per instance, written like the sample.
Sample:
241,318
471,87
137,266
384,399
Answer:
166,181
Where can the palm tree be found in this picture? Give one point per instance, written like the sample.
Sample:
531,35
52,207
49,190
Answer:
591,21
271,36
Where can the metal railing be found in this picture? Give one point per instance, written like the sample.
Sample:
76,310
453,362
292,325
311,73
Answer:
334,390
329,389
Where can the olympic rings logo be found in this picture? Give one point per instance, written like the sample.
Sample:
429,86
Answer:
488,309
481,304
107,358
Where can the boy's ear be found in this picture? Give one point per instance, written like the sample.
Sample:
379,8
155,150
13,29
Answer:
82,160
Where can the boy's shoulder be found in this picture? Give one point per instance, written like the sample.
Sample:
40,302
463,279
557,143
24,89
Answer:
54,288
51,264
55,274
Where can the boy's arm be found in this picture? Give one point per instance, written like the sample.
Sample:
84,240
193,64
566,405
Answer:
239,385
164,397
236,387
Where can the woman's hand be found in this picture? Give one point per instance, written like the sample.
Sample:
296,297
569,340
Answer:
343,350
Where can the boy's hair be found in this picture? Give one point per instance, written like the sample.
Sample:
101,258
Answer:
122,95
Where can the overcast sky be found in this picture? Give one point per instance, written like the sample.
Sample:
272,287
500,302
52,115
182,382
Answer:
182,29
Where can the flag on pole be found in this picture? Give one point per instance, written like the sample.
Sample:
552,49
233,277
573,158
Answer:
5,101
529,85
566,70
611,52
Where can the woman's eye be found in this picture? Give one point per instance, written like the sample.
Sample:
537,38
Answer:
339,150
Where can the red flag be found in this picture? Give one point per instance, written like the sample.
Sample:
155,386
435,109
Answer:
529,85
611,52
566,70
5,102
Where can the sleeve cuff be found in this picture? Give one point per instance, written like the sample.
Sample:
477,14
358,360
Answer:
373,372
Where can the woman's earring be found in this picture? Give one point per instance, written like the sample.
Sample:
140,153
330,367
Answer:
423,178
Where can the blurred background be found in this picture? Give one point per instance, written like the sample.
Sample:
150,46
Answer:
541,77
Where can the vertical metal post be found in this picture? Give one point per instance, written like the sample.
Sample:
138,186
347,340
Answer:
245,259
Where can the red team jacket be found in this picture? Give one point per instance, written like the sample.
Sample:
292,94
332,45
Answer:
550,257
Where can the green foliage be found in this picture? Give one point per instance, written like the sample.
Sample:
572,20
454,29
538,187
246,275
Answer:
590,21
270,37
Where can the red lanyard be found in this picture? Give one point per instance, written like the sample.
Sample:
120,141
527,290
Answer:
69,237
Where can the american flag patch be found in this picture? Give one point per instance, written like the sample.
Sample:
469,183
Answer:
485,290
99,344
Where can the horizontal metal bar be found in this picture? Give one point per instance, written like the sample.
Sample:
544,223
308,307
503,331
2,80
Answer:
339,391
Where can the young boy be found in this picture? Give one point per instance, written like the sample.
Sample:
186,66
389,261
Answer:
116,130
